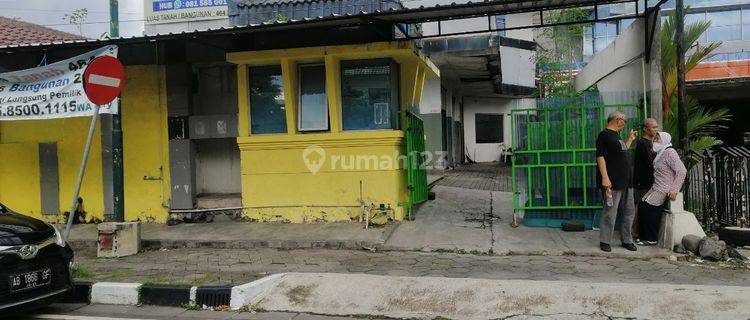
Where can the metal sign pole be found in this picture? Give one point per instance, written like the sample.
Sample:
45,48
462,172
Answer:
71,214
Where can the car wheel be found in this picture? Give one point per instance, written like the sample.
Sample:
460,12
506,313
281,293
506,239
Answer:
735,236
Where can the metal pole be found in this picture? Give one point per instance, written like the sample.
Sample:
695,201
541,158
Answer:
679,41
114,19
645,98
118,194
81,171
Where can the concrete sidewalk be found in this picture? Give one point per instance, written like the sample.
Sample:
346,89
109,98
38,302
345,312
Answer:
459,220
470,220
429,298
237,266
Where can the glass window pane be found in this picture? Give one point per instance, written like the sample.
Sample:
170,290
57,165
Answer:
600,44
600,29
724,18
746,16
588,47
612,29
694,17
313,103
267,114
488,128
368,95
724,33
746,32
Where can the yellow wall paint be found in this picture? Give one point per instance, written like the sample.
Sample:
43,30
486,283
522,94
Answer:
19,178
145,152
286,190
277,185
70,135
145,144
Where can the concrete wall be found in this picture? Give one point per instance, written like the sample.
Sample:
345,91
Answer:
518,66
430,110
145,144
143,107
619,73
431,101
487,152
217,166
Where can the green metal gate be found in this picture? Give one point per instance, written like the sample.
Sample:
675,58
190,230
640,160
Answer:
554,163
416,174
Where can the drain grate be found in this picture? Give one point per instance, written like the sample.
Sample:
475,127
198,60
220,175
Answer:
213,296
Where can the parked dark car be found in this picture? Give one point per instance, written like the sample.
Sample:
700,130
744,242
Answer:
35,262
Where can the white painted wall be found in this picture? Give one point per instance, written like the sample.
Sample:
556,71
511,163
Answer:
430,102
517,66
618,71
487,152
616,61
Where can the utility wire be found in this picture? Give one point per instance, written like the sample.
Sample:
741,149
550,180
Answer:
94,22
63,11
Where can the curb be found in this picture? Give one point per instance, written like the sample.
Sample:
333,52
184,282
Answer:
119,293
358,245
155,244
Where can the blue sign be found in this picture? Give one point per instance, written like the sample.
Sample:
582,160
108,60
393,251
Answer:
165,5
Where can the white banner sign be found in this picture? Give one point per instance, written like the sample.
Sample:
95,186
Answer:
52,91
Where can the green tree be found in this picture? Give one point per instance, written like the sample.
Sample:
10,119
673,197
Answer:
702,124
556,61
77,18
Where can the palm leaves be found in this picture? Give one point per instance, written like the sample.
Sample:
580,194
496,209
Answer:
703,124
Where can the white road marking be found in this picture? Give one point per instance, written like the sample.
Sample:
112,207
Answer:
104,80
72,317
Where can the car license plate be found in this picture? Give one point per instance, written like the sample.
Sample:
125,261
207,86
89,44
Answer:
30,280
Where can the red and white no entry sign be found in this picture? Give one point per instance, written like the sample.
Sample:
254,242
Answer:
103,79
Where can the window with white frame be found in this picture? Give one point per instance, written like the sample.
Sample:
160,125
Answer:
313,102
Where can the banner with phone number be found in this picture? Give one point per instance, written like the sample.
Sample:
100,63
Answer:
52,91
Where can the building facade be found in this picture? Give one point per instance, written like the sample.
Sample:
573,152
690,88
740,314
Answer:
251,118
484,75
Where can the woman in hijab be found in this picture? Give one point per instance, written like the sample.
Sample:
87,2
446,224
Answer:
669,174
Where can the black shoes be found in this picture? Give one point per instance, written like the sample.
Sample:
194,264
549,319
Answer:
607,248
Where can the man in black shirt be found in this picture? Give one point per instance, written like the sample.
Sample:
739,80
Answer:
614,176
643,174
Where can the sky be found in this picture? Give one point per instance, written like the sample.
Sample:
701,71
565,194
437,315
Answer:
50,13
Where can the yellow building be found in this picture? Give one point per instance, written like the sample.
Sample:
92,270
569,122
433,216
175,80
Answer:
303,134
22,145
317,167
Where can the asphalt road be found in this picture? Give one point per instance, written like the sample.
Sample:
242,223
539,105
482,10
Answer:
63,311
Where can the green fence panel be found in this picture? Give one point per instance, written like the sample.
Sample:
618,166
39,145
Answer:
415,164
554,165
